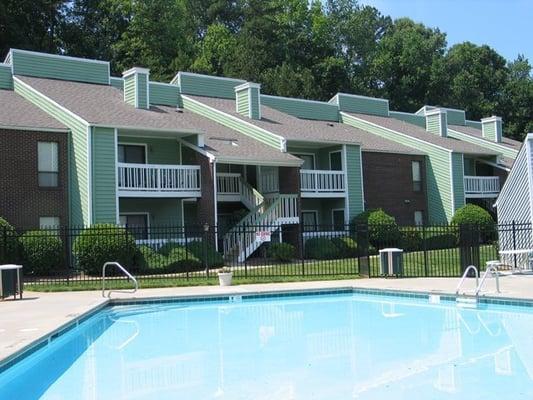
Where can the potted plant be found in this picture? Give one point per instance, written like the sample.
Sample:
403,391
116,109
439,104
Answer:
225,276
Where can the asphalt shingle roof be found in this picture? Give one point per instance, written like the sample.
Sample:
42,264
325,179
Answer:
421,134
104,105
17,112
297,129
512,144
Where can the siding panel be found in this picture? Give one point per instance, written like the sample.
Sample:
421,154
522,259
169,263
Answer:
104,175
160,151
458,180
117,82
242,103
414,119
6,79
506,151
354,181
204,85
302,108
164,94
362,105
142,91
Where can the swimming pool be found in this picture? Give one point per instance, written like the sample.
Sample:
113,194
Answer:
341,345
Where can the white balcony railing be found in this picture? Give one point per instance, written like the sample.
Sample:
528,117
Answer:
228,183
322,182
136,179
482,186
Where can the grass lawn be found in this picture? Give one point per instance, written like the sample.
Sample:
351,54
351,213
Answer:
445,263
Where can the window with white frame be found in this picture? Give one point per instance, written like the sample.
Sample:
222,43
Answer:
417,176
48,222
48,164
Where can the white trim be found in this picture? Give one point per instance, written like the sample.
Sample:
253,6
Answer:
198,149
347,194
70,113
136,77
162,195
250,103
482,140
90,175
299,100
452,191
493,118
343,166
148,91
406,113
298,153
334,100
135,70
246,85
359,96
529,164
117,203
270,163
164,84
215,190
333,219
145,145
37,53
492,164
283,144
223,78
34,128
146,129
362,179
7,60
393,131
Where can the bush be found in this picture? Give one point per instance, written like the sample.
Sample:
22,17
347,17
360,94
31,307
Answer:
411,239
441,237
170,258
470,214
383,230
281,251
8,243
42,252
321,249
206,253
346,245
101,243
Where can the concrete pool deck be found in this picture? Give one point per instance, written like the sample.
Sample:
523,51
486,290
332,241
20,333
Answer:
24,322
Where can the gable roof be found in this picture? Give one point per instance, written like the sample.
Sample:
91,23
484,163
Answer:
419,133
467,130
18,113
305,130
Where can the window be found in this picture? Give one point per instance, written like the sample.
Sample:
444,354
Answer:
132,153
48,164
335,161
137,224
338,219
417,176
48,222
309,219
309,160
419,218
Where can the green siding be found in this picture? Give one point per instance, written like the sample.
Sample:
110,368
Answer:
163,212
6,79
300,108
159,151
78,152
117,82
255,102
205,85
321,154
470,166
164,94
458,180
129,90
414,119
104,174
354,181
142,91
455,117
489,131
57,67
361,104
473,124
233,123
506,151
433,124
242,103
440,207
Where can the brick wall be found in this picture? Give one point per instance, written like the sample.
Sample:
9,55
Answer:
22,201
388,184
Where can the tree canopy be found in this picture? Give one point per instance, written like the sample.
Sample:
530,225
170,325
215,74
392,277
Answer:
300,48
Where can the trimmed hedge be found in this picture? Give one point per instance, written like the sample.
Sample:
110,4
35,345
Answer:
170,258
206,253
346,245
281,251
383,231
321,249
101,243
8,243
41,252
470,214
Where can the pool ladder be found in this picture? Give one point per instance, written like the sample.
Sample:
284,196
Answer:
125,271
472,300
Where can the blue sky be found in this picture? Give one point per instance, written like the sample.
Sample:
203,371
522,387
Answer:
505,25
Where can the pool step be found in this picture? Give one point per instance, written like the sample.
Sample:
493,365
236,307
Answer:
466,301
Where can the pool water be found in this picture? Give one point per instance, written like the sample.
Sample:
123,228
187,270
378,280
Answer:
337,346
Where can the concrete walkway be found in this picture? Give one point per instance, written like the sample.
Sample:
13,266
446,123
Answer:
23,322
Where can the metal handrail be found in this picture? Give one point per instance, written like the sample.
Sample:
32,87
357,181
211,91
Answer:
130,276
467,270
494,270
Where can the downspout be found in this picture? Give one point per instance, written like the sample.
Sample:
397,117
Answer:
215,202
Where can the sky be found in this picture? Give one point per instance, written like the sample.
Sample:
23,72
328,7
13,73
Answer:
505,25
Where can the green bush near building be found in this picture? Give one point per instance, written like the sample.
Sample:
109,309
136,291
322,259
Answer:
41,252
347,246
206,253
169,259
321,249
383,231
104,242
473,215
281,252
8,243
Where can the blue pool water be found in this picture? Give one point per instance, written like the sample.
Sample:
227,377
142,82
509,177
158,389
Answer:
339,346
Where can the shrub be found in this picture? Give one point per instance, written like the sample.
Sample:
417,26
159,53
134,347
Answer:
470,214
441,237
281,251
41,252
321,249
101,243
206,253
346,245
382,227
8,243
411,239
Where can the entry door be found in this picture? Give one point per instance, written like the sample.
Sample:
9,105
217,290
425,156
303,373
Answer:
335,161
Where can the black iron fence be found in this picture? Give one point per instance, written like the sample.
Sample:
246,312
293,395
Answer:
66,255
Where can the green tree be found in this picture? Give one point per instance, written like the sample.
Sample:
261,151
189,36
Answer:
215,51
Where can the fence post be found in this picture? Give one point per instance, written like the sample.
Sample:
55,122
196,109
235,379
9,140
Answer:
244,231
3,248
424,247
514,244
302,255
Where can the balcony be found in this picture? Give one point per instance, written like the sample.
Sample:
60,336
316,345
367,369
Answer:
153,180
481,186
322,183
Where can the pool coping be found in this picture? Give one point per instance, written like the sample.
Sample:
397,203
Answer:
237,296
